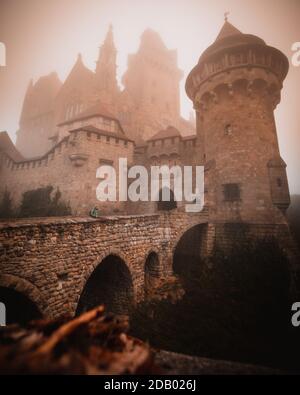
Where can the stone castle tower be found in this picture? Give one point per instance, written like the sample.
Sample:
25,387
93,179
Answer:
106,70
235,88
152,80
148,103
37,119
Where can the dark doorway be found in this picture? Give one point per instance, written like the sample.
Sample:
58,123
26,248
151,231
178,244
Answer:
19,308
151,271
187,253
109,284
168,205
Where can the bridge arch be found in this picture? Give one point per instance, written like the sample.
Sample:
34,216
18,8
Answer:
109,283
23,301
189,249
152,271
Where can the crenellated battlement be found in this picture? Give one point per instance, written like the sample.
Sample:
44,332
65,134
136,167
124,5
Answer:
235,88
266,59
251,83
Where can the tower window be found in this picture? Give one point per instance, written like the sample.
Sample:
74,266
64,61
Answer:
231,192
228,129
279,182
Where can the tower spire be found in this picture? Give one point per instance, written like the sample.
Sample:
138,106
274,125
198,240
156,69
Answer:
106,69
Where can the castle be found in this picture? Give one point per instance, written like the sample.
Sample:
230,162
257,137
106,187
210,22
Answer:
148,103
68,130
88,121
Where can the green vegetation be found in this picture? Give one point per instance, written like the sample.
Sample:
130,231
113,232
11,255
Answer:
6,209
40,203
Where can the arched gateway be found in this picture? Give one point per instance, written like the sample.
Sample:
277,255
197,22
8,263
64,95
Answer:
109,284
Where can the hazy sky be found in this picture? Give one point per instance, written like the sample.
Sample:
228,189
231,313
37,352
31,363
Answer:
42,36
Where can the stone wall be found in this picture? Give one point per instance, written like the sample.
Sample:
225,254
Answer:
51,260
70,166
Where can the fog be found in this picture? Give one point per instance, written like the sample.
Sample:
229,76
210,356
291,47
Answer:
42,36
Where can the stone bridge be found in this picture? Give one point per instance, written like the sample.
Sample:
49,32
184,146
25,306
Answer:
55,266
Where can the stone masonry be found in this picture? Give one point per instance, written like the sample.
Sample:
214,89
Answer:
50,260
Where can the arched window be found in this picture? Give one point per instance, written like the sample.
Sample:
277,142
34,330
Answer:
166,200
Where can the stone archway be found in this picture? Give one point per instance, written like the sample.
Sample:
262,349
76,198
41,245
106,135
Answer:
110,284
152,272
188,251
19,308
19,293
166,205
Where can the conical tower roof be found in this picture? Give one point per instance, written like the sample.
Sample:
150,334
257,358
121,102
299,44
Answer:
228,30
228,37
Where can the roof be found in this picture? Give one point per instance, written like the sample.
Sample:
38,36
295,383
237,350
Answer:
229,36
189,137
230,40
150,38
93,129
7,146
169,132
228,30
98,110
80,76
40,97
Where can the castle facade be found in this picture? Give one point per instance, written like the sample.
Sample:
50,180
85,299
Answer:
68,130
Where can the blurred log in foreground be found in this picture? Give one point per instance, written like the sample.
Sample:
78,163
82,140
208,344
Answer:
93,343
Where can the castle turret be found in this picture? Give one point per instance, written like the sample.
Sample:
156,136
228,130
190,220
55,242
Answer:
235,88
106,69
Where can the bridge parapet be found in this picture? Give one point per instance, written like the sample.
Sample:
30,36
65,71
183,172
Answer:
56,256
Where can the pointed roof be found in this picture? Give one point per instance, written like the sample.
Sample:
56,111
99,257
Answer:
107,57
79,68
7,146
99,109
169,132
79,76
228,30
229,37
109,39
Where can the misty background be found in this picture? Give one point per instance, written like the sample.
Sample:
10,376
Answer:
42,36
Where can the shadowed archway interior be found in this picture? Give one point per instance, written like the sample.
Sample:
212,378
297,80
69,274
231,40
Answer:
166,205
151,271
109,284
19,308
188,250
